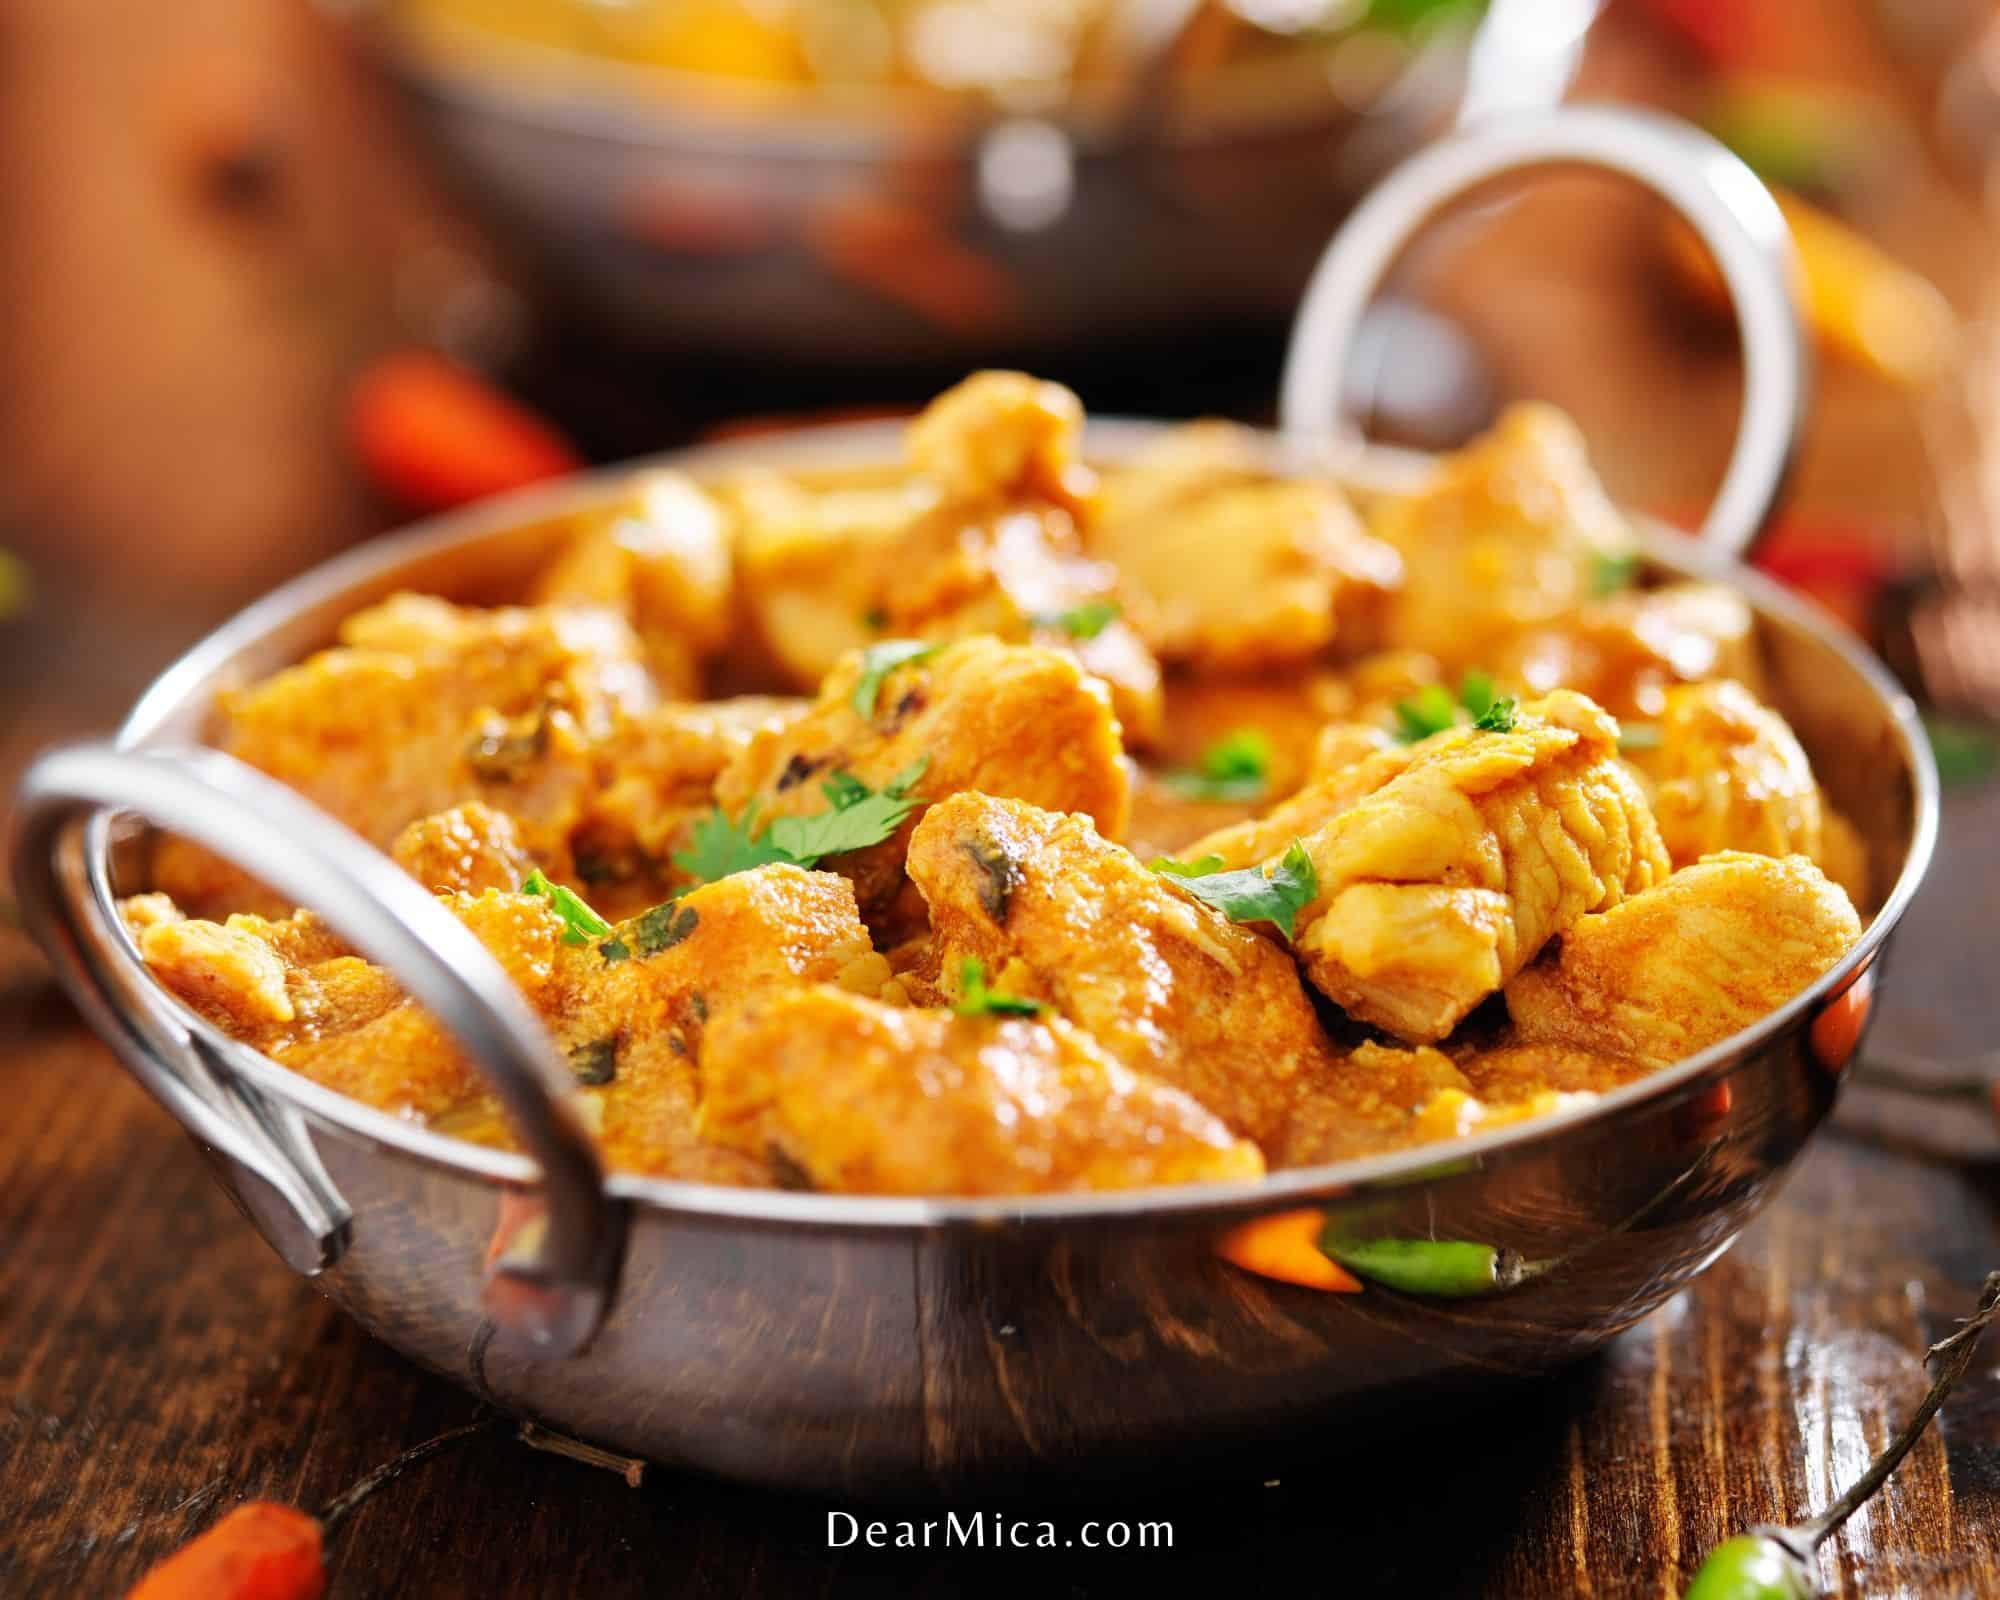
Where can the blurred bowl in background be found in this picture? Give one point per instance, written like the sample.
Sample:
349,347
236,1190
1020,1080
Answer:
716,193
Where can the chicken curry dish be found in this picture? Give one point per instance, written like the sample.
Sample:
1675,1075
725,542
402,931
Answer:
996,825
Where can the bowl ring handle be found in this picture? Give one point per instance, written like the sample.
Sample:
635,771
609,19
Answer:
1713,191
555,1282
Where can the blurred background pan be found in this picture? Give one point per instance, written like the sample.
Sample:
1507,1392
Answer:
904,182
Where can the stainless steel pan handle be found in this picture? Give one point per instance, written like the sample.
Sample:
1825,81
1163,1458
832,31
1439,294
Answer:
1717,195
556,1281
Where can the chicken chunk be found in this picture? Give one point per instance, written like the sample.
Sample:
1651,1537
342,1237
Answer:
1246,844
659,556
1514,1072
468,849
1627,651
629,1020
984,541
1511,534
1282,718
658,775
1165,983
1003,435
1369,1099
1441,884
1234,570
1685,965
426,705
859,1097
1004,719
1728,774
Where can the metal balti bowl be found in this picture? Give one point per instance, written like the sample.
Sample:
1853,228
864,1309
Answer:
671,212
880,1346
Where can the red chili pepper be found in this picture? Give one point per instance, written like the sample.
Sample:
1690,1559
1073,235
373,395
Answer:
263,1551
1716,28
432,435
260,1551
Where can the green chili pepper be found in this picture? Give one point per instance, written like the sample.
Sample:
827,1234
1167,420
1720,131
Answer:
1777,1563
1445,1269
1753,1566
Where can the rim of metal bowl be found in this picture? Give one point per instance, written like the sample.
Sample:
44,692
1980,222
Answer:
1107,439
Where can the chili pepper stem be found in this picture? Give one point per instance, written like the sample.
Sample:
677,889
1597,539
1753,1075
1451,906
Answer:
536,1437
343,1504
1953,1355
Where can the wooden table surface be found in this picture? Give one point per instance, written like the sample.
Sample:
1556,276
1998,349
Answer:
157,1365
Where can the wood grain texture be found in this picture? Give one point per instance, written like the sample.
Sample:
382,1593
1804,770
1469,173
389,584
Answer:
157,1365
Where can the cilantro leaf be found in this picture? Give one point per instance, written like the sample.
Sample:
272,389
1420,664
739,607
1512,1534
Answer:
1236,767
1084,622
719,848
595,1063
1430,710
580,923
1498,717
1609,573
1200,867
1639,736
1251,894
1476,692
854,824
878,661
843,789
860,817
976,1000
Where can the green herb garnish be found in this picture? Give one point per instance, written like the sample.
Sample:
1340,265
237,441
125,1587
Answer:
1237,767
1498,717
1610,573
1200,867
859,817
1430,710
1635,736
1086,621
659,929
1476,692
595,1064
580,923
976,1000
1251,894
878,661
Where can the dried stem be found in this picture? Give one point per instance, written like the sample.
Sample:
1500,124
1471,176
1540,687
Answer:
1953,1356
630,1468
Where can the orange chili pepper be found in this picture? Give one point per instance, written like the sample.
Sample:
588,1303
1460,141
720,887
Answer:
260,1551
264,1551
899,252
1286,1247
432,435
